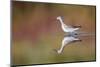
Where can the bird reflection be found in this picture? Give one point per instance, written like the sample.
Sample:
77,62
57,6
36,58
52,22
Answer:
72,38
67,40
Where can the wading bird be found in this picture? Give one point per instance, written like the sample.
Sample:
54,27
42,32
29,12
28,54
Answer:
66,28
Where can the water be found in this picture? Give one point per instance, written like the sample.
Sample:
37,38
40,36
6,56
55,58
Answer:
36,33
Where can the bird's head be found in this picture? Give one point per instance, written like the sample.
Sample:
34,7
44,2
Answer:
59,18
57,51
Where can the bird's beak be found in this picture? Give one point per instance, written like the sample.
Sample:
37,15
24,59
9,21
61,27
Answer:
55,50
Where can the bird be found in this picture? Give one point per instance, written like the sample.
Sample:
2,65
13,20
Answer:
67,40
67,28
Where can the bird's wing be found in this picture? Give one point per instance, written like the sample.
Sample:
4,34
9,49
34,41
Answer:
66,40
69,39
68,26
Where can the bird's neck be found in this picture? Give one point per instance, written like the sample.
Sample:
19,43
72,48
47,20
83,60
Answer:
61,22
61,49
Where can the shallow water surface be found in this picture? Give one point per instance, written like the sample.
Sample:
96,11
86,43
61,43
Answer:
36,33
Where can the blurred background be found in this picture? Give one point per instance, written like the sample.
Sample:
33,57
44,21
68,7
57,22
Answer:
36,33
